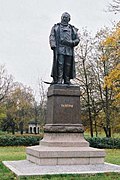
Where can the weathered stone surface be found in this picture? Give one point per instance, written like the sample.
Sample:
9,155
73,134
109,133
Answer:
26,168
63,105
64,128
64,140
65,155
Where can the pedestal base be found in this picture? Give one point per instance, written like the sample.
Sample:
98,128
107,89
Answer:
64,149
63,142
44,155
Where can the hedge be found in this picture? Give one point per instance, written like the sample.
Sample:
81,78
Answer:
108,143
96,142
19,140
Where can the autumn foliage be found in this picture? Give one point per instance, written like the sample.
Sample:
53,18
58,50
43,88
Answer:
112,54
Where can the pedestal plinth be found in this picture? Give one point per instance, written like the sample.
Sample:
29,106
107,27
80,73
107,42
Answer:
63,105
63,141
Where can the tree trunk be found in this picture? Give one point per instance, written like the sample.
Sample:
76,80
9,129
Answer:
88,100
21,127
13,127
107,113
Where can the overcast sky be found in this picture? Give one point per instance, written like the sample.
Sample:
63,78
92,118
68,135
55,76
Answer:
25,27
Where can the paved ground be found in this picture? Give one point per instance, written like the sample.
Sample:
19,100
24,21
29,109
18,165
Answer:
26,168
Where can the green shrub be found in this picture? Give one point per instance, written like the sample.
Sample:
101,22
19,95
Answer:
24,140
108,143
12,140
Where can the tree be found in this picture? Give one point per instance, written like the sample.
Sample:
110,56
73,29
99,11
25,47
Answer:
114,6
93,67
5,83
2,113
105,93
42,101
112,50
19,106
84,78
111,47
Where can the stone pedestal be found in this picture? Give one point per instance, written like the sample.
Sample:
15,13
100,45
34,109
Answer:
63,105
63,142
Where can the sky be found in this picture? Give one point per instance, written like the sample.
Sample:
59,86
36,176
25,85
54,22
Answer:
25,26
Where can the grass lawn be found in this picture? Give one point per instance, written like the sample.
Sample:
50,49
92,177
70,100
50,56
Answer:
18,153
101,134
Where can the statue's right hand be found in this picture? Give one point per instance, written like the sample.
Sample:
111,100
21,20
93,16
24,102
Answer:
53,48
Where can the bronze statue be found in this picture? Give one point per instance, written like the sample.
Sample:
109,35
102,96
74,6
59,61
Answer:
63,39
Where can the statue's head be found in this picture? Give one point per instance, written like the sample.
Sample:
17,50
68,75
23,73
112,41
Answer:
65,18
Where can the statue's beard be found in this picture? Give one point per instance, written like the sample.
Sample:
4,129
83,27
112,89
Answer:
64,23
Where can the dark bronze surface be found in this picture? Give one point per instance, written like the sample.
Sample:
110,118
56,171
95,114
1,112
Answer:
63,38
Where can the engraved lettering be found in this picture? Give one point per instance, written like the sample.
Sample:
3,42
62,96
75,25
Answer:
67,105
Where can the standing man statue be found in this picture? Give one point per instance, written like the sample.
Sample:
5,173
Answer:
63,39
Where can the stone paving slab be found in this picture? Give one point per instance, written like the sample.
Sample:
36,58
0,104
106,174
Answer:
27,168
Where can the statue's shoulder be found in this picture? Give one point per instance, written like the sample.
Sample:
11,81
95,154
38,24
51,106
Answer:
55,25
58,24
73,27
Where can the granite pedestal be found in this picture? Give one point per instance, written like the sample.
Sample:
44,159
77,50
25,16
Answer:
63,142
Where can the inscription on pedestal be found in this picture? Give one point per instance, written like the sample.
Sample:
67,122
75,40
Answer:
67,105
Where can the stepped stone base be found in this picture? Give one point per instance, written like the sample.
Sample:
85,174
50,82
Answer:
64,149
43,155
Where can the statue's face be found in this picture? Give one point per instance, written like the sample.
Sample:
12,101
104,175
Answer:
65,17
